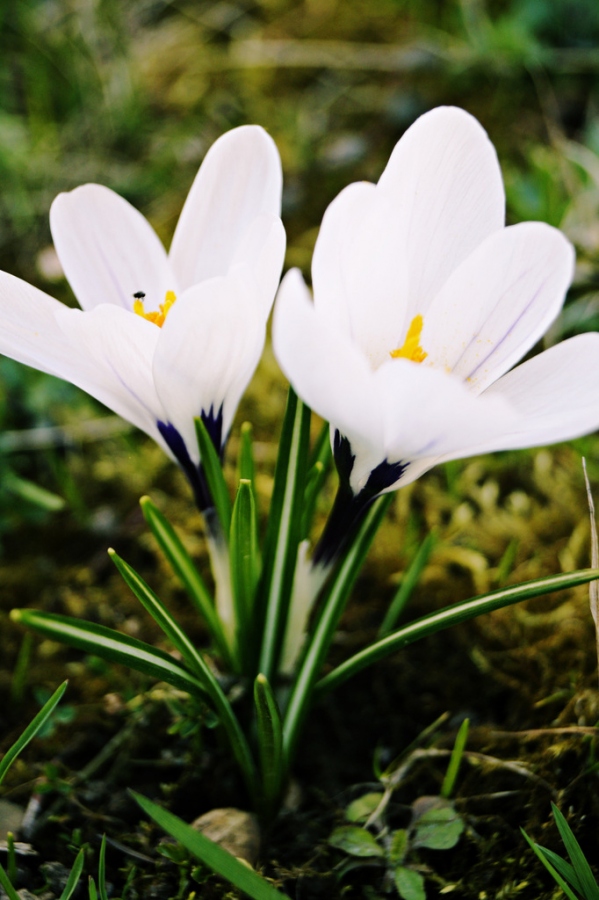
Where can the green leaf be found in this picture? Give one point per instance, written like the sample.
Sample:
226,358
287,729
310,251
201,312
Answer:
333,605
74,876
540,853
246,453
5,882
153,604
408,583
91,886
270,741
355,841
244,556
321,459
112,645
213,856
399,846
185,570
314,482
363,807
588,885
452,615
438,829
195,661
409,884
565,869
214,475
102,870
283,530
455,760
32,729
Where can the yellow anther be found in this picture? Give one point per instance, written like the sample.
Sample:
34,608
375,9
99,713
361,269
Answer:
157,318
411,348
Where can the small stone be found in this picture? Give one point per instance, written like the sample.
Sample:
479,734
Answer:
56,875
234,830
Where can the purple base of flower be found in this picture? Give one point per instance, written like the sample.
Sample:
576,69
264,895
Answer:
195,473
349,509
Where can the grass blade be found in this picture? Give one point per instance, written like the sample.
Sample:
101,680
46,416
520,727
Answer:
539,852
334,603
6,884
214,475
32,729
283,530
211,854
455,760
408,583
588,886
186,571
111,645
74,876
453,615
270,741
102,870
565,869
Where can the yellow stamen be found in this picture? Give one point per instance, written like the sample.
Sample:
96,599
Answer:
411,348
159,317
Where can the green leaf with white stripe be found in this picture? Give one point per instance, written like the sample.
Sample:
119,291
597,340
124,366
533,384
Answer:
452,615
213,471
283,530
186,571
244,555
111,645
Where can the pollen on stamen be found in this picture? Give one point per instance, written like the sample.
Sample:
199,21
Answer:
411,348
159,317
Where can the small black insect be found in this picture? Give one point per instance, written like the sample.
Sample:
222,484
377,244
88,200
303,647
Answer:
139,295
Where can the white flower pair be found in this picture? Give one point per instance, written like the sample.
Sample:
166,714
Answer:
423,301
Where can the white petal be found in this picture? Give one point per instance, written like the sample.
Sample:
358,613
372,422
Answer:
360,270
29,331
262,249
498,303
445,179
329,279
208,350
108,250
556,393
327,371
112,361
239,180
429,414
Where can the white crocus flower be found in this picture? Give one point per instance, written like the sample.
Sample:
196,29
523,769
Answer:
162,338
423,301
